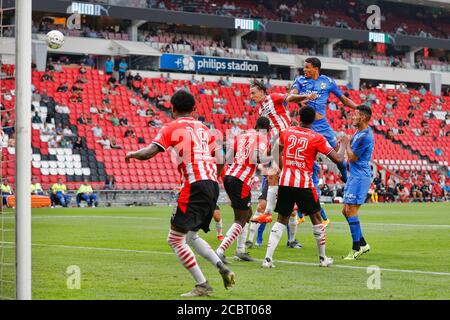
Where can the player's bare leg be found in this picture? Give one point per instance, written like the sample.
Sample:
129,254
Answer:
219,226
360,246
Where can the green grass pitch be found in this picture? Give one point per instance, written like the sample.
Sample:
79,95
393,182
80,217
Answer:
122,254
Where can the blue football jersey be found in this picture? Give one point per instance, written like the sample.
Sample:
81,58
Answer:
322,87
362,144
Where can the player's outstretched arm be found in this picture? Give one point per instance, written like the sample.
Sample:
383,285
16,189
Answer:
348,102
144,153
298,98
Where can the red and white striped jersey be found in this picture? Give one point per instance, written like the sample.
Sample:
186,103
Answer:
300,148
274,108
193,146
244,146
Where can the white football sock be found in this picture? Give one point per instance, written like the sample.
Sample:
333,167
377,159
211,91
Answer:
275,235
241,239
292,228
202,247
272,193
219,227
320,236
253,228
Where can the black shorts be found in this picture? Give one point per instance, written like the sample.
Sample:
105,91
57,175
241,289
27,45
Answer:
307,200
264,189
238,192
196,205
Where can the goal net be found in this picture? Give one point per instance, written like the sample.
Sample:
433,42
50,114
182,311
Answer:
7,142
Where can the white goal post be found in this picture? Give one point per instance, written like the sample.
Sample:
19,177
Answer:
23,148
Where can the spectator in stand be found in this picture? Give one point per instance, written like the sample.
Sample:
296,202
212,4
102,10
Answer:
105,142
98,132
403,89
89,61
402,192
76,98
141,111
6,190
109,66
157,122
114,120
228,82
129,132
36,187
373,193
221,82
62,108
67,132
78,144
123,121
63,87
85,193
426,191
110,184
193,80
123,68
137,84
422,90
114,144
82,119
48,76
145,92
59,194
36,118
416,192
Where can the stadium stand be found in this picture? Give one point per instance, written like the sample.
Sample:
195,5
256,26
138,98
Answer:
399,153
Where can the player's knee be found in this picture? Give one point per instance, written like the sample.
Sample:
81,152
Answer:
191,236
345,211
283,219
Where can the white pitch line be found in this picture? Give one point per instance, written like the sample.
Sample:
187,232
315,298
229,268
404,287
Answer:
98,217
445,226
279,261
399,224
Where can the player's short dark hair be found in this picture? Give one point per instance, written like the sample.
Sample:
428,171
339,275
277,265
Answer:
263,123
182,101
365,110
258,84
314,61
307,115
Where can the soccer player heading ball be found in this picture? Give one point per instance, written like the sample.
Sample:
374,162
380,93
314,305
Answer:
199,161
314,82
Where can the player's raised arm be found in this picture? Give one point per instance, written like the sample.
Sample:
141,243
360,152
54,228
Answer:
144,153
298,98
348,102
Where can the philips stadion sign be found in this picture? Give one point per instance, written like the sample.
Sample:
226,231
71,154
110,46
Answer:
204,64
